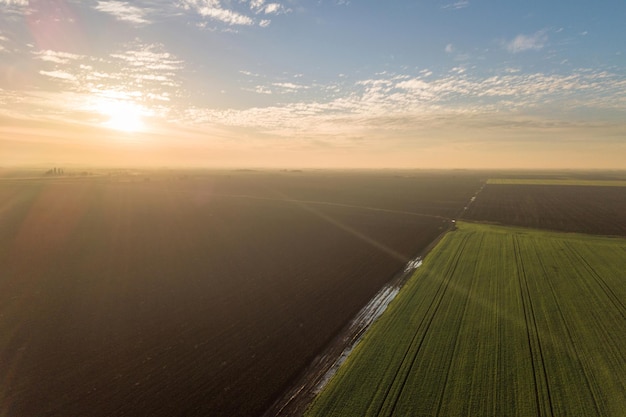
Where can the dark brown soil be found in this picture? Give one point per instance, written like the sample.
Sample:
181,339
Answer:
196,294
583,209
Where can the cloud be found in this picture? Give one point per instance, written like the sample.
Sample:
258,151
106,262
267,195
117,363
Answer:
405,103
56,56
260,89
214,10
274,8
61,75
226,16
15,7
521,42
23,3
260,6
256,4
461,4
72,88
123,11
151,57
235,13
291,86
3,39
449,48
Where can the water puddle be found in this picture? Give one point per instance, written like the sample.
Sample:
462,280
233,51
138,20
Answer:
368,315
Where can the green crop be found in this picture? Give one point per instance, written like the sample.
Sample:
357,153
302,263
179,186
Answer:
498,321
532,181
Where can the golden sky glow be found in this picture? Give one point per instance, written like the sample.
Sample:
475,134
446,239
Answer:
355,85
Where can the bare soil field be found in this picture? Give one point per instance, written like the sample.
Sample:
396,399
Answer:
195,293
569,208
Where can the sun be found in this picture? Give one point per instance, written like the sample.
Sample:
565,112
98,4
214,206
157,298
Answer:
122,115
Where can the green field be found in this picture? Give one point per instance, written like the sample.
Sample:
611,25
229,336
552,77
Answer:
541,181
498,321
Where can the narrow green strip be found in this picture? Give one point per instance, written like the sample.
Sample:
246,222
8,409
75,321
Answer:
523,181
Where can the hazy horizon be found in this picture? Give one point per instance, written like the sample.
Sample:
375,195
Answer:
303,84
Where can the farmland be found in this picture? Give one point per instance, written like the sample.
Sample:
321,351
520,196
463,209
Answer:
594,207
557,181
497,321
195,293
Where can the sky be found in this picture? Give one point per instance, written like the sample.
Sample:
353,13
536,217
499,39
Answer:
314,83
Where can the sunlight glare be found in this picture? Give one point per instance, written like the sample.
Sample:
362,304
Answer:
124,116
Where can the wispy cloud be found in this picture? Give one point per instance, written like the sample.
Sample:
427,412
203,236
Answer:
61,75
213,9
3,39
15,7
14,2
57,57
522,42
242,13
256,4
461,4
403,103
275,8
291,86
123,11
261,6
227,16
149,59
71,85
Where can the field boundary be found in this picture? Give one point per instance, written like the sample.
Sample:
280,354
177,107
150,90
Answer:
296,399
557,354
573,182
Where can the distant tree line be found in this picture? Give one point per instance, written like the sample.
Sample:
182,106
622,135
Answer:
60,171
55,171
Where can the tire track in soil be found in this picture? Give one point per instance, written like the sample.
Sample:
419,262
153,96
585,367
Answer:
588,381
425,324
500,326
619,305
576,256
472,286
542,396
332,204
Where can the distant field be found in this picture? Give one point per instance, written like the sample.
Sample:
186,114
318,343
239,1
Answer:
497,321
569,208
536,181
194,293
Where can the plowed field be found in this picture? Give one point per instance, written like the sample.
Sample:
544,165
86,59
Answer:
194,294
595,209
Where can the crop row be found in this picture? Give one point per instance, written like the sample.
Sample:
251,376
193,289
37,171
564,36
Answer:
497,321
